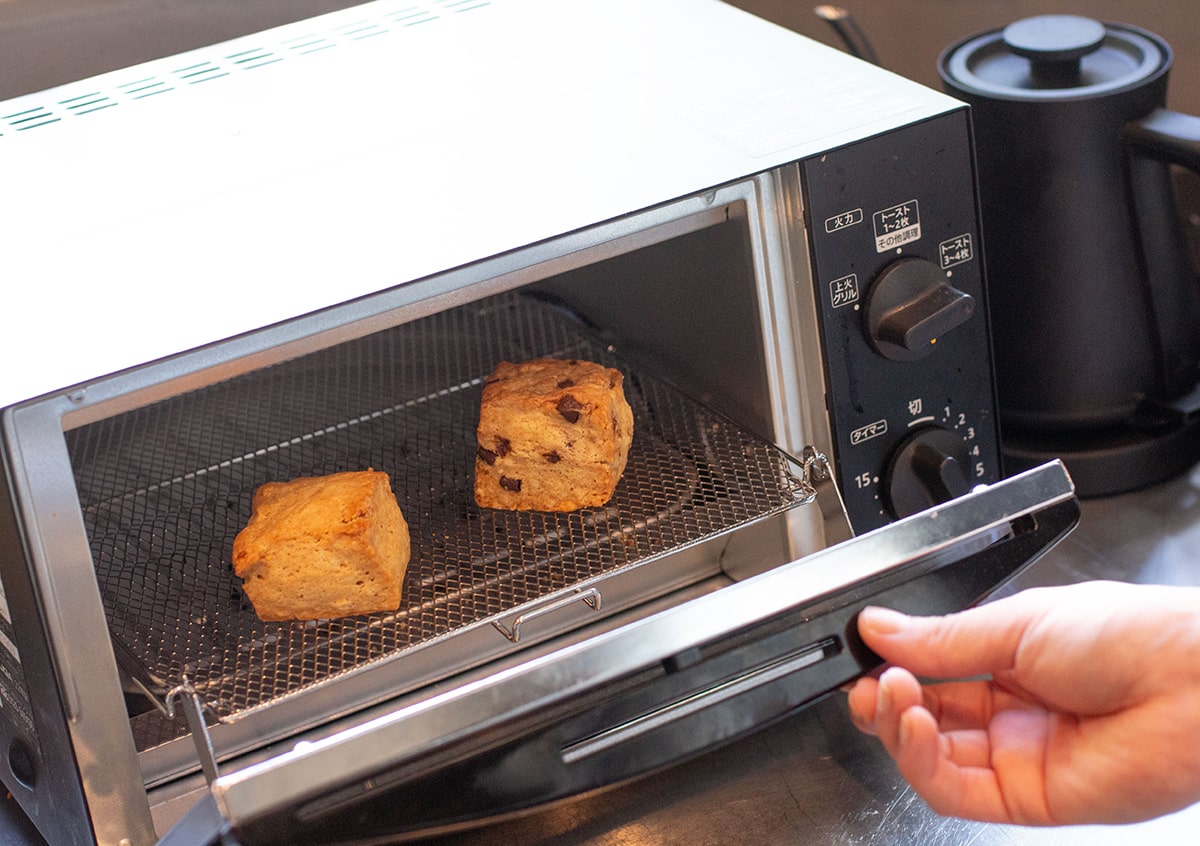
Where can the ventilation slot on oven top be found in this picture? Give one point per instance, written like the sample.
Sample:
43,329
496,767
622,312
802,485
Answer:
247,53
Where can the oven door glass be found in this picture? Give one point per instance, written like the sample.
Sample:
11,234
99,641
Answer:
641,695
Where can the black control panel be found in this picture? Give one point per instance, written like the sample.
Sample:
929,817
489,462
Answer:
894,234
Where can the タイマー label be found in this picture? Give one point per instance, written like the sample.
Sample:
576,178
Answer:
868,432
896,226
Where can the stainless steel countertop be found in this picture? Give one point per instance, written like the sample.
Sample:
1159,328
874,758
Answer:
813,778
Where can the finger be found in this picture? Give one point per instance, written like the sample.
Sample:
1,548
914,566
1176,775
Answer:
967,705
954,705
861,701
963,727
1020,739
958,772
992,775
966,748
896,692
979,640
923,757
1050,628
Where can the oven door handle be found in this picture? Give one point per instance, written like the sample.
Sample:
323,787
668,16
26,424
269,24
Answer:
693,704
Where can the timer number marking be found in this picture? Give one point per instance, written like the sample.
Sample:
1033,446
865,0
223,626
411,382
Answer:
865,480
959,424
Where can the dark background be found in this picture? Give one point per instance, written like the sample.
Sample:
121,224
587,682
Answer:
48,42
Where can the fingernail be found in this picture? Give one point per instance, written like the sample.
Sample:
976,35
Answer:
883,621
862,724
904,736
883,699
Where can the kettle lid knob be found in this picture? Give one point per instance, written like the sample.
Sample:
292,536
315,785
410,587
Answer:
1054,44
1055,38
1049,58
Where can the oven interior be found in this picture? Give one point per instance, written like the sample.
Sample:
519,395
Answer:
165,488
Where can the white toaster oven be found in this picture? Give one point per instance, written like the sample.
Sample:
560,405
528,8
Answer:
302,251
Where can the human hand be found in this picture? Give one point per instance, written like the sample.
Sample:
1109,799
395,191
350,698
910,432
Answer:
1090,712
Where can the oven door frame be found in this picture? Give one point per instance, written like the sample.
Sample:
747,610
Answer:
581,702
78,677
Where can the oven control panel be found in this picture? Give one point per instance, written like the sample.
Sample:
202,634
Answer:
894,233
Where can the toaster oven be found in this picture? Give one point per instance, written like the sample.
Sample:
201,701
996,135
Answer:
303,251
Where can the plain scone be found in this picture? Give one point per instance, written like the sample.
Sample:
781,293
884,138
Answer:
553,435
323,546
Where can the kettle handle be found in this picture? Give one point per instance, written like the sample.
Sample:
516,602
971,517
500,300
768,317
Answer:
1166,137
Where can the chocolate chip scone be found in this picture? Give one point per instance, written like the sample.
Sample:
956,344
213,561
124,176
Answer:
323,546
553,435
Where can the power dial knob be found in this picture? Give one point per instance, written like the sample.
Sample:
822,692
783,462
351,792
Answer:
932,466
910,306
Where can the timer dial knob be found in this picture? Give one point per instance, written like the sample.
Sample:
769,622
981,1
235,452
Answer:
932,466
910,306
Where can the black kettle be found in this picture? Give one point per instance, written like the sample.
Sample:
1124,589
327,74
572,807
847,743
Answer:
1094,303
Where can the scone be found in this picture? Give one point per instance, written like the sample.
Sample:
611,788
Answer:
323,546
553,435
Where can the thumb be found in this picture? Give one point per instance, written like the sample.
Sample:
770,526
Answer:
972,642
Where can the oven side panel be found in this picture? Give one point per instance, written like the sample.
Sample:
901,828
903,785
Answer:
37,766
59,760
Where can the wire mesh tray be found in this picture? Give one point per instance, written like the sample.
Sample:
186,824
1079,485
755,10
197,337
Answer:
166,488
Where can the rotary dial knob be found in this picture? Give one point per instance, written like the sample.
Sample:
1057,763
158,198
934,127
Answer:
930,467
910,306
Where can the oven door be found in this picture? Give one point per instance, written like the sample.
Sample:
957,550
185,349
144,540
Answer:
637,696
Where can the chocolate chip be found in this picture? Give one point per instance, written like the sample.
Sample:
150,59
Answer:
552,456
503,446
569,408
486,456
509,484
566,383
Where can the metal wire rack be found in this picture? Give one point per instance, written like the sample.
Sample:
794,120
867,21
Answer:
165,489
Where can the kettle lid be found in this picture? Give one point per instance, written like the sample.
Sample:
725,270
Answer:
1054,56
